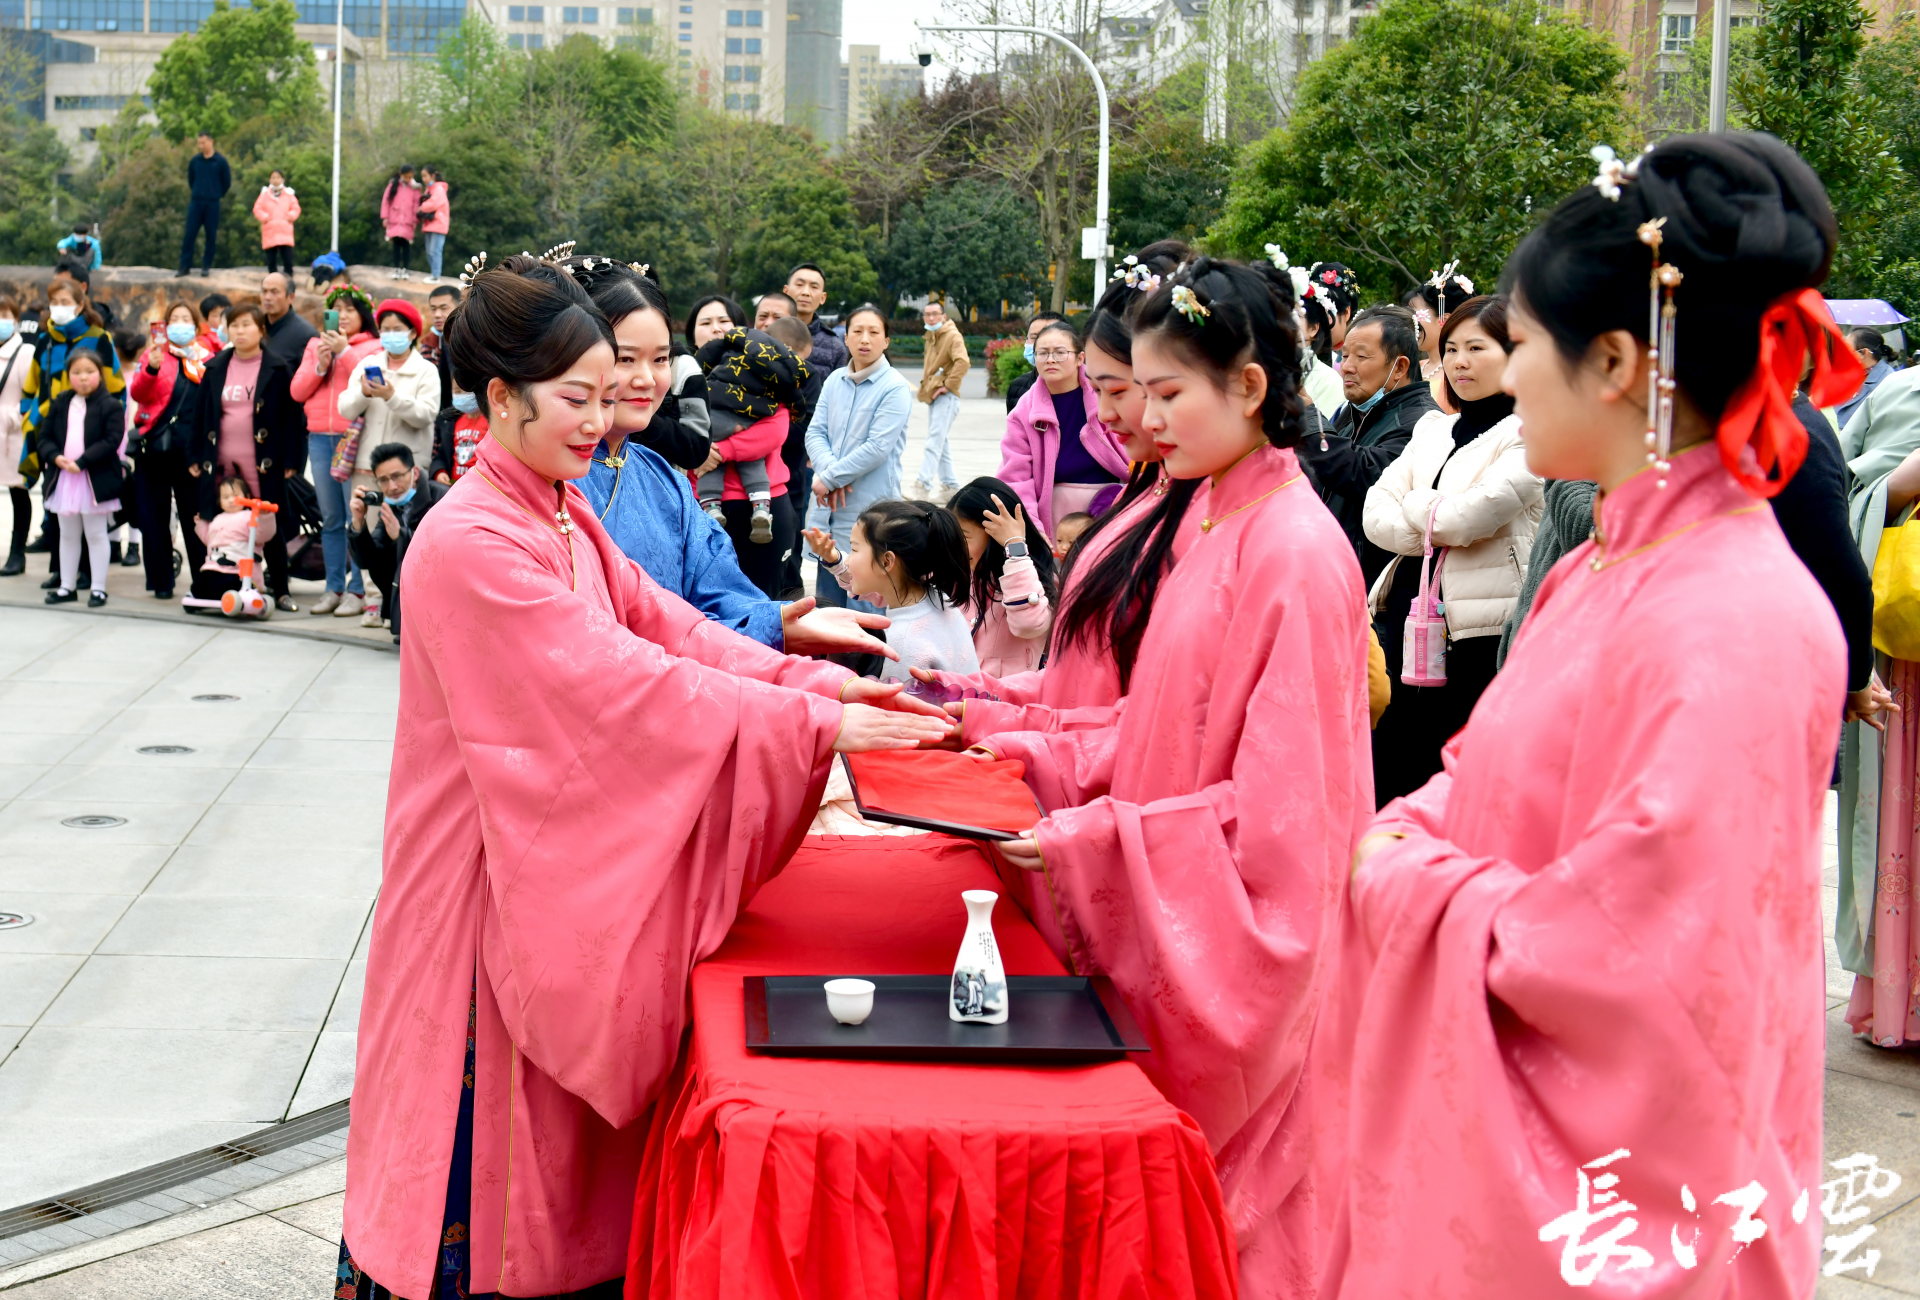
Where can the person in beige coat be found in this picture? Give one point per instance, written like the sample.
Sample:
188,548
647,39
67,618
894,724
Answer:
940,376
1467,473
399,408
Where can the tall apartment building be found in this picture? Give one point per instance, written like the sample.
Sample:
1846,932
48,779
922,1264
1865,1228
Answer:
866,83
813,64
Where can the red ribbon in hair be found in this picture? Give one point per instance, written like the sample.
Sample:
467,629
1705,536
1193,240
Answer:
1759,433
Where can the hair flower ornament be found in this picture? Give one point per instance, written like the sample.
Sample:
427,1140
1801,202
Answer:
640,268
475,265
1302,285
1464,283
559,253
1188,304
1276,256
1135,275
1612,172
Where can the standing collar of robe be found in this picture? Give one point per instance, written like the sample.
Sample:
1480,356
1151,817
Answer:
526,489
1640,513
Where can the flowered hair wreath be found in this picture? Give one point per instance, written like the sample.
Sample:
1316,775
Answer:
1136,275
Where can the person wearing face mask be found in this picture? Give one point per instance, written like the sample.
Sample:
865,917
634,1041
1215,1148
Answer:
457,433
942,370
276,210
440,305
69,322
213,310
1462,481
165,388
400,404
330,366
1017,389
399,503
15,358
1384,399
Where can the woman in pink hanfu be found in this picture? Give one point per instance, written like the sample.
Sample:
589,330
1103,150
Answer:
1198,831
1082,666
590,778
1590,1019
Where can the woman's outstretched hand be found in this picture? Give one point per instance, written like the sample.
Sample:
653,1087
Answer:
807,630
890,695
864,728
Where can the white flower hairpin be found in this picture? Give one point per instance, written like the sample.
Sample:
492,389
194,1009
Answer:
1612,172
639,268
1302,282
1136,275
1188,304
475,265
1276,256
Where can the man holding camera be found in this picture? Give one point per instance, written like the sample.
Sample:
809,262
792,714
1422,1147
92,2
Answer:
403,500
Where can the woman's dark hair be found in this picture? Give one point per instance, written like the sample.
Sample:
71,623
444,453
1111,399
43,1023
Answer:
619,291
1330,297
1111,327
250,311
1058,327
1249,318
1110,607
406,169
523,323
927,541
972,503
235,482
1427,295
886,326
1870,342
360,303
734,314
1488,309
1746,222
91,356
166,314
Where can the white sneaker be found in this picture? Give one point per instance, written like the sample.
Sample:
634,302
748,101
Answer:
917,491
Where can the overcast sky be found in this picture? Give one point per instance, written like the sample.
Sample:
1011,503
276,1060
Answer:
886,23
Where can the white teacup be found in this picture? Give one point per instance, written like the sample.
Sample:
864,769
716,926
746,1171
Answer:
850,1001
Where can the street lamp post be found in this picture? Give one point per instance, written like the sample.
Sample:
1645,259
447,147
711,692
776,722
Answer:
1093,239
339,62
1717,83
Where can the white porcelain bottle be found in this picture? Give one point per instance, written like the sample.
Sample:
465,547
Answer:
979,991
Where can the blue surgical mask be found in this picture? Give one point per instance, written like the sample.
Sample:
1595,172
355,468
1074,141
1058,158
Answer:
1028,353
221,334
933,327
466,403
396,342
1373,401
179,334
7,328
402,499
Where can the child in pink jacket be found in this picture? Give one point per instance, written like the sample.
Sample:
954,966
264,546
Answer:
276,210
400,214
436,219
1009,609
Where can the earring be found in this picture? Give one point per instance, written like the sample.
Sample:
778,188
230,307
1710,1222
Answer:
1660,331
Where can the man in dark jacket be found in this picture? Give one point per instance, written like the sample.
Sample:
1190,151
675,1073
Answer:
1379,369
208,180
380,544
807,286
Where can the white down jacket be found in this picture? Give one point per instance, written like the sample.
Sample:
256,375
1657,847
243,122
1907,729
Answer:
1488,512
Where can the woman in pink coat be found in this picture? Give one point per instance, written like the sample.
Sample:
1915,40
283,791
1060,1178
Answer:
331,362
591,778
1198,830
1056,454
400,215
1586,1007
276,210
436,217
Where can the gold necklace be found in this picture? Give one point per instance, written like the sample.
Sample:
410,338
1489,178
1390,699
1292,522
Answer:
1208,525
1600,562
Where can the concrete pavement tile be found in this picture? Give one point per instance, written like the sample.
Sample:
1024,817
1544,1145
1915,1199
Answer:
226,926
1846,1288
321,1217
295,1189
150,1076
366,936
241,870
115,1218
105,694
316,756
39,748
123,640
51,1238
152,781
15,777
88,867
120,681
348,699
228,824
1851,1054
25,719
29,982
1878,1119
9,1036
121,1243
346,1003
299,724
360,790
245,1260
27,824
255,689
233,993
48,1156
67,923
1897,1238
225,741
13,1252
329,1074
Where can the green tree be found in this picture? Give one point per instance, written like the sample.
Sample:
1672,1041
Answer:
476,79
241,64
1169,181
1803,86
31,157
1432,135
1889,74
806,215
972,241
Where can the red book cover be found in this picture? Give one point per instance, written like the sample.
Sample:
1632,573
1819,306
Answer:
938,790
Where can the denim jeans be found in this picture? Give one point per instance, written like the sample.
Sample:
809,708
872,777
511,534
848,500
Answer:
342,573
436,249
936,463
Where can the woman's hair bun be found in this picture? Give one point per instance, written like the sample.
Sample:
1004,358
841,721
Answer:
1222,314
523,322
1745,221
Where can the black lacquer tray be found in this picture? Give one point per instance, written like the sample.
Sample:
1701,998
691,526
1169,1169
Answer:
1052,1020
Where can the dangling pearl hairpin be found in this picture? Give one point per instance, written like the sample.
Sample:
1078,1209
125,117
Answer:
1664,280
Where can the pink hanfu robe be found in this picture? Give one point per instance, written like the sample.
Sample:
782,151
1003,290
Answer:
1597,954
1196,843
589,780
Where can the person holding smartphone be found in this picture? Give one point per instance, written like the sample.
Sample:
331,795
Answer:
396,393
328,368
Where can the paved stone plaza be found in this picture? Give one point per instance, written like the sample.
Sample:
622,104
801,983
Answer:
192,973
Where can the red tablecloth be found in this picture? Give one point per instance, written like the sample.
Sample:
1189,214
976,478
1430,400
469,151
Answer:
782,1177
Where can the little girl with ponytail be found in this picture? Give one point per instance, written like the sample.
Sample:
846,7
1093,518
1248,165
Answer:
911,558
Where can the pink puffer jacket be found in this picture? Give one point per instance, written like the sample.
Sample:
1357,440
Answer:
400,211
276,214
317,386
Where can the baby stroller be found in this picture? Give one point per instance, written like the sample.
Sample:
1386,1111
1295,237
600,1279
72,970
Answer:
247,601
